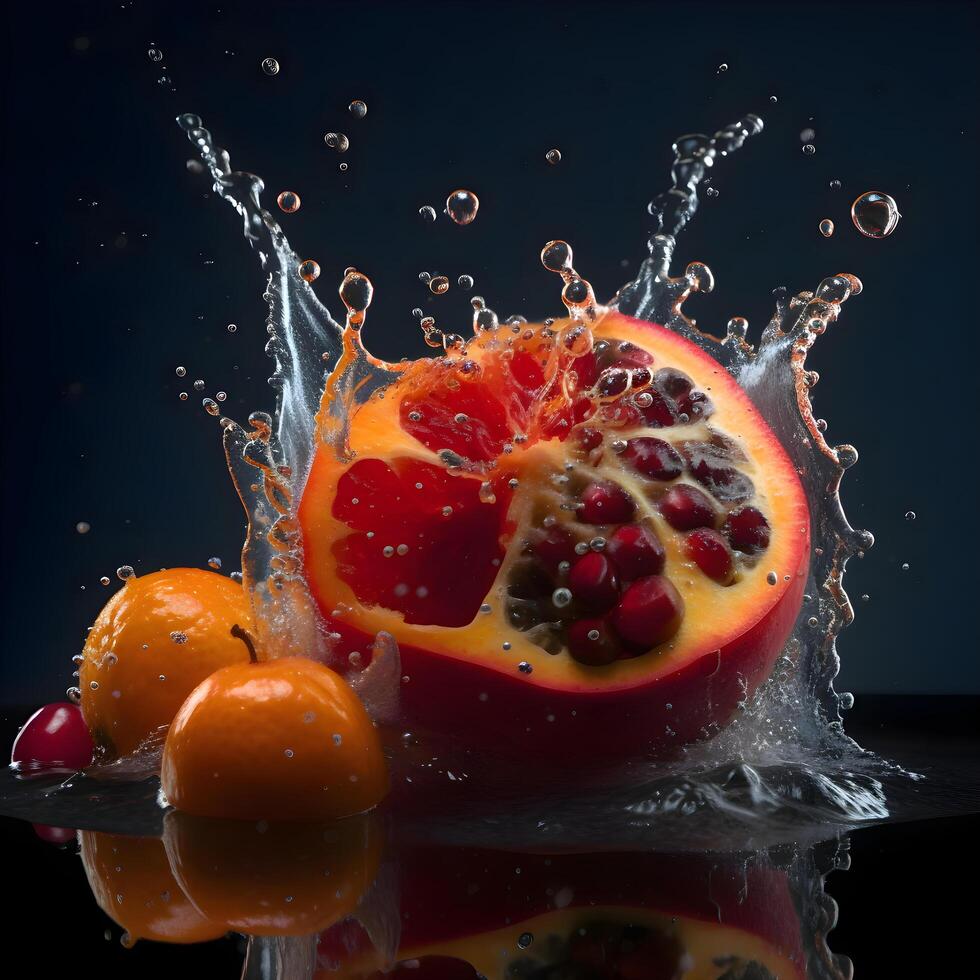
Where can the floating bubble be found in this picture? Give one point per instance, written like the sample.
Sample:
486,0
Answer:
210,406
183,396
439,285
465,282
105,580
711,192
773,98
232,328
221,396
809,149
808,135
214,563
874,214
125,572
337,141
342,168
723,67
358,109
180,371
553,156
910,515
199,385
525,939
309,269
835,184
83,527
826,227
270,66
427,213
155,54
556,256
462,206
288,201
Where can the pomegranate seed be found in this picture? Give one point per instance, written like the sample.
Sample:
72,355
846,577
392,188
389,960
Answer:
606,503
636,551
712,467
591,641
641,378
685,507
632,356
695,405
710,552
655,458
593,581
54,737
612,382
747,530
649,613
588,438
58,836
673,382
556,545
659,413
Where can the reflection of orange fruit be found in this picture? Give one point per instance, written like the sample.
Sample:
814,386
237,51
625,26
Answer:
286,739
273,879
156,639
131,880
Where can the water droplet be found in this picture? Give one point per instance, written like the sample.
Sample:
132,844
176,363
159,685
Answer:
723,67
711,192
214,563
357,109
772,578
524,667
910,515
288,753
809,149
94,685
525,939
337,141
428,213
553,156
905,566
105,580
439,284
289,201
465,282
74,695
232,328
773,99
342,168
180,372
835,184
462,206
874,214
199,384
183,396
124,573
337,739
826,227
210,406
556,256
270,66
83,527
562,597
309,269
221,396
155,54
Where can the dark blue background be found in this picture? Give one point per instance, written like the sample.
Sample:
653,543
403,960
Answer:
117,268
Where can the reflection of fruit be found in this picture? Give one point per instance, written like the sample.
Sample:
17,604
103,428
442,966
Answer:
286,739
156,639
521,520
54,737
604,916
272,879
131,880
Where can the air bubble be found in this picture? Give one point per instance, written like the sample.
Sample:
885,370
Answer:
835,184
427,213
289,201
83,527
826,227
180,372
465,282
808,135
155,54
562,597
525,939
357,109
874,214
179,637
210,406
910,515
232,328
124,573
309,270
723,67
105,580
809,149
439,285
524,667
462,206
270,66
214,563
772,578
199,384
553,156
337,141
183,396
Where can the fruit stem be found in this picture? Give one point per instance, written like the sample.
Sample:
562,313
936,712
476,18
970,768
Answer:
243,635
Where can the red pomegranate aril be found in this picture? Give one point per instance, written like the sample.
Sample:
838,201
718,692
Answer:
659,414
555,546
673,382
712,467
654,458
636,551
747,530
612,382
59,836
592,642
588,438
593,582
631,355
606,503
710,552
54,737
649,613
685,508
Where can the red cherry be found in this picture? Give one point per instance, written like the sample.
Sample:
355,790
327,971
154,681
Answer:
685,507
636,551
606,503
649,613
54,737
593,582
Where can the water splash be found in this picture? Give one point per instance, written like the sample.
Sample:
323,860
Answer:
797,711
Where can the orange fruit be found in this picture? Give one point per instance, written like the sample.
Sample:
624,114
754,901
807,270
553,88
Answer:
285,739
273,879
155,640
131,880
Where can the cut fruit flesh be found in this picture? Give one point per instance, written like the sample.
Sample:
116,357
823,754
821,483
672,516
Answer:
483,489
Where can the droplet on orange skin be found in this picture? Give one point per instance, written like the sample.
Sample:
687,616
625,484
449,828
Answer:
131,880
284,739
273,879
175,624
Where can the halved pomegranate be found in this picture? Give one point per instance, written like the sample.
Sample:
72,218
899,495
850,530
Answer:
584,538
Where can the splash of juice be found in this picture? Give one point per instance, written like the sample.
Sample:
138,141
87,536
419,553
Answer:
793,725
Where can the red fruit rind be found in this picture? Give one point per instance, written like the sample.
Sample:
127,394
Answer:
462,675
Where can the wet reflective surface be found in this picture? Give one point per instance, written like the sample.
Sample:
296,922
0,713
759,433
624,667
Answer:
442,885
